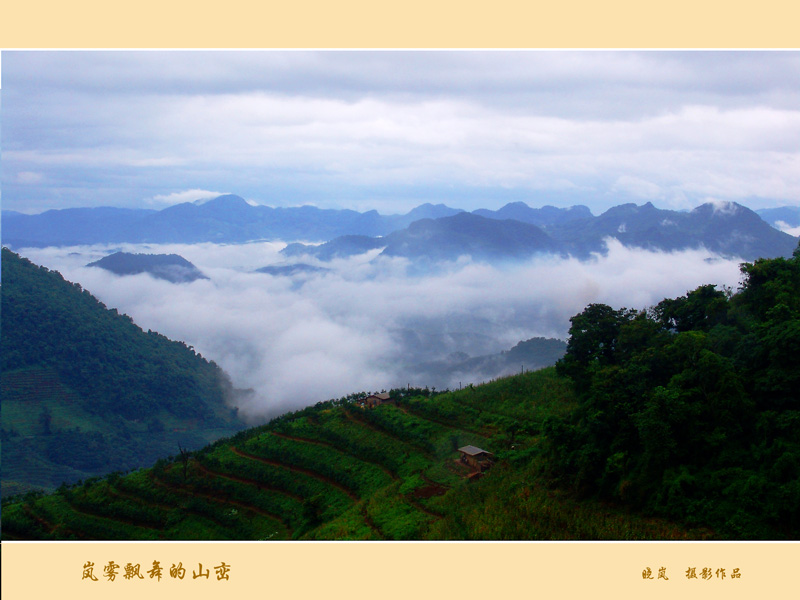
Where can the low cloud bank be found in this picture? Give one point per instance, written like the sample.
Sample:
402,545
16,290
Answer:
786,228
298,340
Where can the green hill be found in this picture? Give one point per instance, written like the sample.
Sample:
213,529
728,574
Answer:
340,471
86,392
691,410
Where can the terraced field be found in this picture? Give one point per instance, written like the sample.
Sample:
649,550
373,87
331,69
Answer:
338,471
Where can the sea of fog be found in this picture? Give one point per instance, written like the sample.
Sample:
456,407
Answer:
362,324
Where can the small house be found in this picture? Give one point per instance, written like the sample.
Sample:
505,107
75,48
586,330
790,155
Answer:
475,457
374,400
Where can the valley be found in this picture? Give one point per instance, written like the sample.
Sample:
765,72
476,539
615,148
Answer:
101,442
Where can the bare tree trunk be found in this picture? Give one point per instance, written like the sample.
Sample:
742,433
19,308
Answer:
185,460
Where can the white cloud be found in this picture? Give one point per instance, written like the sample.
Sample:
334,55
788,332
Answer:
29,177
723,207
183,196
786,228
330,126
638,188
338,332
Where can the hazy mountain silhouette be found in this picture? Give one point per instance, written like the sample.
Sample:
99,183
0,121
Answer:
790,215
728,229
428,232
170,267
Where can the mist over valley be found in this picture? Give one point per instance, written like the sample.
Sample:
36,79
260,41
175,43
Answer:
296,336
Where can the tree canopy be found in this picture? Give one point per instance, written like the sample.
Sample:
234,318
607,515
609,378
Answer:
691,409
86,391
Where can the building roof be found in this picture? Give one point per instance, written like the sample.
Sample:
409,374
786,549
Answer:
472,450
381,396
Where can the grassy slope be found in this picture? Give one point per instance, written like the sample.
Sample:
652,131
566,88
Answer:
28,452
337,471
115,397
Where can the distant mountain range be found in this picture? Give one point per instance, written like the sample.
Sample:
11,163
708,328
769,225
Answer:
170,267
72,226
230,219
225,219
727,229
544,217
427,233
788,215
442,239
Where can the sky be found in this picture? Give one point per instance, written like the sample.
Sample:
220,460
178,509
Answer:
389,130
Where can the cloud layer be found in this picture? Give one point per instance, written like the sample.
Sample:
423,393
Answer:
309,338
389,130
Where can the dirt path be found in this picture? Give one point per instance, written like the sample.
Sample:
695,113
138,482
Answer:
411,413
527,421
119,520
365,515
260,485
422,508
226,501
129,496
371,524
352,417
430,481
295,438
297,469
47,525
305,440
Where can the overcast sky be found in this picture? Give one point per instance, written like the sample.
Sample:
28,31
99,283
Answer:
389,130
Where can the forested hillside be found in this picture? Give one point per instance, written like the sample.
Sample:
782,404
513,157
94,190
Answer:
691,410
85,391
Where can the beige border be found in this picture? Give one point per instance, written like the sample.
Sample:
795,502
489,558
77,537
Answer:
403,570
414,23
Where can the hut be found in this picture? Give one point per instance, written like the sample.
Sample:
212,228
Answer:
475,457
374,400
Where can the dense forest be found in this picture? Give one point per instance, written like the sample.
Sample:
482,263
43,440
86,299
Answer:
691,409
86,391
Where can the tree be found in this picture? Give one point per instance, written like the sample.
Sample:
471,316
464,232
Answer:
700,309
690,409
771,288
593,342
45,419
184,458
